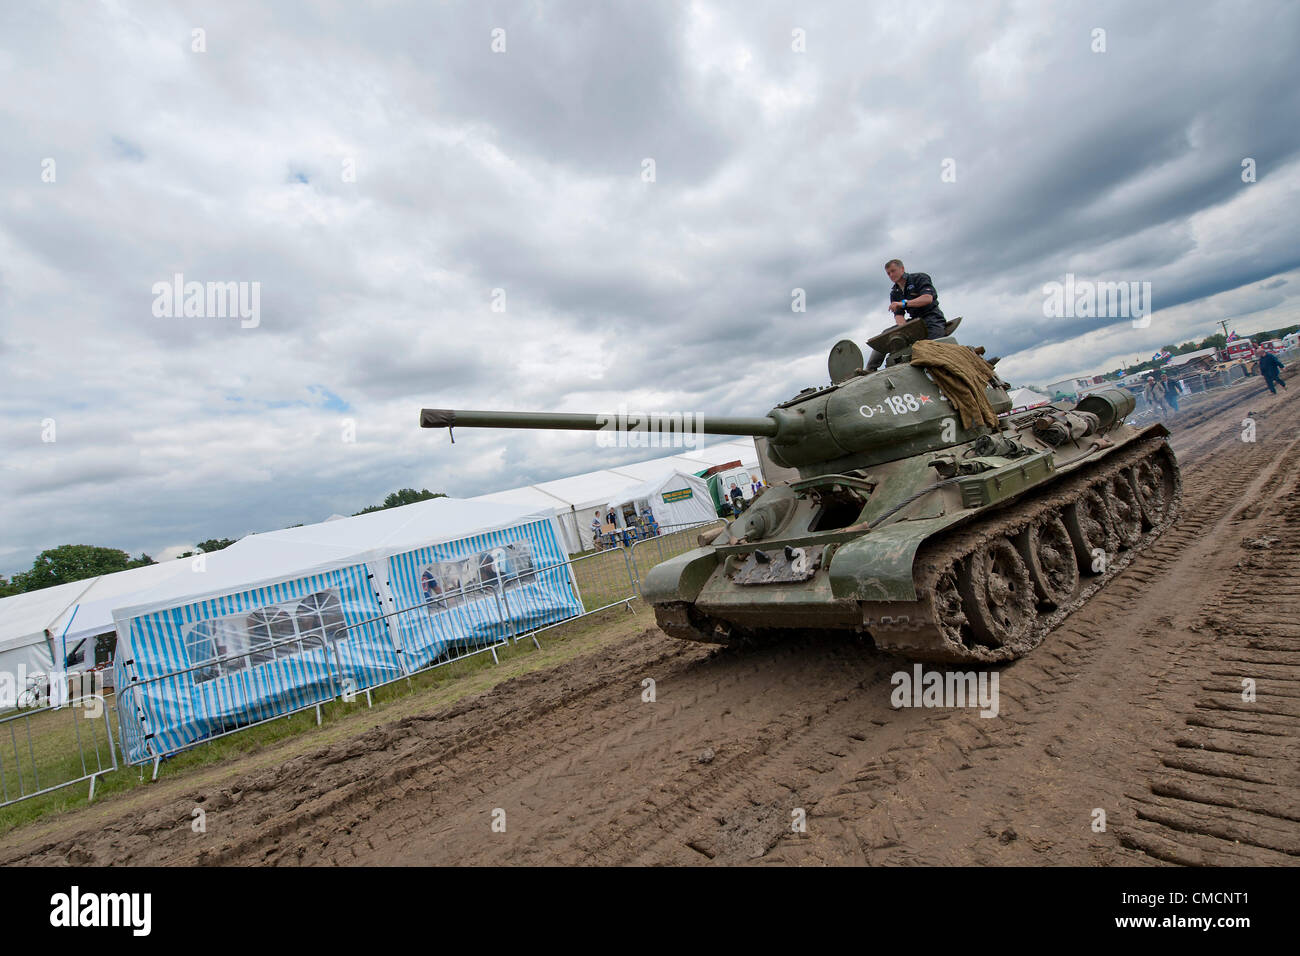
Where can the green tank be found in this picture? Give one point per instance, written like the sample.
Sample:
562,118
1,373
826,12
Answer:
885,516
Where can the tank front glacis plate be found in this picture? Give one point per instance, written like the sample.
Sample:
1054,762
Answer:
806,604
680,578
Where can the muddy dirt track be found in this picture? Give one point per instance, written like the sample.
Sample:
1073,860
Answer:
1132,706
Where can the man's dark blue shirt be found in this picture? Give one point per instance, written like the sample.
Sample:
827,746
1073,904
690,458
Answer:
918,284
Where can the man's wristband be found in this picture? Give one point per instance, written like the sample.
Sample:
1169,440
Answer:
903,303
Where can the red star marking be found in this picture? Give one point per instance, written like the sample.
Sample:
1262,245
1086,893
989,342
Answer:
925,399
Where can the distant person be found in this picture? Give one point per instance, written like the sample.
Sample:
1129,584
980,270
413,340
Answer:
432,589
1271,369
1155,396
487,571
611,518
1171,392
596,530
755,488
912,295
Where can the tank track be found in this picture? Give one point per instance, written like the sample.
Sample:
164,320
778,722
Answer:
931,641
932,629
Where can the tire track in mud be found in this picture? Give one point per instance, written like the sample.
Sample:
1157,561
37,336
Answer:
372,769
934,744
660,785
718,815
1086,645
1228,790
948,751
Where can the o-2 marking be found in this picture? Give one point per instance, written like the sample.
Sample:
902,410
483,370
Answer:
896,405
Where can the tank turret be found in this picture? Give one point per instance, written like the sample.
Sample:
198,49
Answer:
861,421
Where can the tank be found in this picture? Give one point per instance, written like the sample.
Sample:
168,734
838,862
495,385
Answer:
885,515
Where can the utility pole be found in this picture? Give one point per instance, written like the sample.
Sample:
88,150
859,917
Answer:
1224,323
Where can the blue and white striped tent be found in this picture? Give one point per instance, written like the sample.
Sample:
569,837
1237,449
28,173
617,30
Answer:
284,620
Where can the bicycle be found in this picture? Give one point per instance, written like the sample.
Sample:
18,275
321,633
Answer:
38,686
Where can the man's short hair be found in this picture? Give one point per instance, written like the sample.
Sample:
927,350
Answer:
895,262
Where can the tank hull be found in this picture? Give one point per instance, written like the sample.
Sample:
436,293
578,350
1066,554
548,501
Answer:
978,570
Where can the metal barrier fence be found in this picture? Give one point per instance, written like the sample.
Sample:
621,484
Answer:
236,705
674,540
1198,383
53,739
1208,381
452,626
327,667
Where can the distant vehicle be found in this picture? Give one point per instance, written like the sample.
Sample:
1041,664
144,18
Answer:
1237,350
1291,341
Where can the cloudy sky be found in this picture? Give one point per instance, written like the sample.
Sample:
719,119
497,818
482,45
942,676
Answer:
379,173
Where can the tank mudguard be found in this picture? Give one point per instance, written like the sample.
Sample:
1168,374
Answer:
878,566
681,578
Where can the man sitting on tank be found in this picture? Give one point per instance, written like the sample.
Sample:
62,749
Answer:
912,295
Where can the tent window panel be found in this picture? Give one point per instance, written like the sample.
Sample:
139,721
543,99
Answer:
443,584
201,648
274,631
520,554
490,567
232,641
320,620
268,626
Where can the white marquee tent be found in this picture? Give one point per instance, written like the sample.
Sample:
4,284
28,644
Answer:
1027,398
258,559
673,498
273,622
25,622
40,629
92,613
578,497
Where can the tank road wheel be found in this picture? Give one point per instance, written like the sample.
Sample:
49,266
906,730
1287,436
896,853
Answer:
949,612
1125,510
1091,529
997,594
1049,554
1149,480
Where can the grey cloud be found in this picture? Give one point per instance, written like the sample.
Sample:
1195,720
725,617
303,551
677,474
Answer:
521,170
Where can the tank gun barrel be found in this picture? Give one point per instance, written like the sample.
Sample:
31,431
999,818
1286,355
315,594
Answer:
764,427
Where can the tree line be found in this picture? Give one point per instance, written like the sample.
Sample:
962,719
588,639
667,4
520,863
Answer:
76,562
